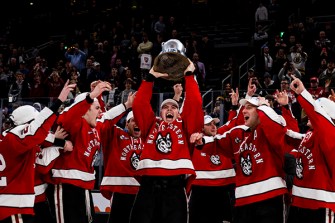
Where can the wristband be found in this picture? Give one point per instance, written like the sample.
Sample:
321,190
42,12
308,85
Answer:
149,77
55,105
89,99
59,142
188,73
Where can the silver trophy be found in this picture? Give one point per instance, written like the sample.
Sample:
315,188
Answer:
172,60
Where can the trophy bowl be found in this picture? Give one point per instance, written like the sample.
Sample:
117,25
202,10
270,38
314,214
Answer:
172,60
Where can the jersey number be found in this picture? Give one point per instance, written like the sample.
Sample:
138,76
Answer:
3,180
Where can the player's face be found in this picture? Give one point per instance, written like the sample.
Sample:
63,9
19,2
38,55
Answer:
93,113
210,129
250,115
169,112
133,129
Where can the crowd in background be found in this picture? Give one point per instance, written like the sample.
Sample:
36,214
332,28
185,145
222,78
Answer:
112,52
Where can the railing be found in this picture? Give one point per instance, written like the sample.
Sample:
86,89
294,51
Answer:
244,67
223,81
211,101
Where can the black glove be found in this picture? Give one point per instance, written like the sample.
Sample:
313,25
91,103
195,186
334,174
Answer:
290,169
188,73
148,77
289,164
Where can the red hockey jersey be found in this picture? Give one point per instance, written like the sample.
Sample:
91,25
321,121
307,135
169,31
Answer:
313,186
17,161
167,147
258,155
76,167
121,156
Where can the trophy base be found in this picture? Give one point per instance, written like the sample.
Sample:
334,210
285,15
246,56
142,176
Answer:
174,64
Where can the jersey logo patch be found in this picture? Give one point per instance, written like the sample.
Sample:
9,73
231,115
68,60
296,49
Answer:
246,165
163,144
299,168
237,140
134,160
215,159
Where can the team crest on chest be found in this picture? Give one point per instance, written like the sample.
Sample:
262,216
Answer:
134,160
237,140
299,168
164,144
215,159
246,165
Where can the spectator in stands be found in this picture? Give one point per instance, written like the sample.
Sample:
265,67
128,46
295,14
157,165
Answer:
54,84
261,15
277,43
322,67
119,66
84,84
160,26
20,89
114,76
23,68
171,25
328,74
87,47
65,73
145,46
288,70
245,81
97,73
174,34
200,71
123,96
76,56
260,38
130,75
113,94
6,124
114,55
269,85
265,61
38,89
318,91
298,57
102,55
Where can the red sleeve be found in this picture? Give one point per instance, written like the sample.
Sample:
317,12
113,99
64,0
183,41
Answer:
143,113
223,143
232,114
272,126
105,125
322,125
291,121
191,112
26,136
70,118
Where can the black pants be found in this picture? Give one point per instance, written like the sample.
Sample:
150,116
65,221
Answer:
267,211
210,204
71,204
18,218
121,207
160,199
43,213
303,215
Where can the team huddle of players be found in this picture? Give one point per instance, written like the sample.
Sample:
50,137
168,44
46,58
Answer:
178,167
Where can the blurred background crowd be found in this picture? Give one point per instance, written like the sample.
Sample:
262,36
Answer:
45,43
